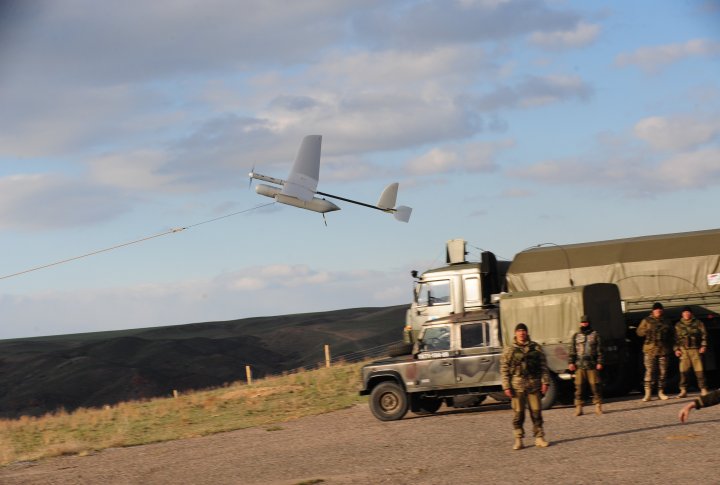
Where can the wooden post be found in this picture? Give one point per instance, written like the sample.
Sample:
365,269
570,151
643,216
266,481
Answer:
248,373
327,355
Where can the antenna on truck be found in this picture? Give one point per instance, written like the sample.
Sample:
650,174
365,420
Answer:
567,258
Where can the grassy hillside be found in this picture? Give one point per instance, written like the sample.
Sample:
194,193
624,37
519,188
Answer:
40,375
267,402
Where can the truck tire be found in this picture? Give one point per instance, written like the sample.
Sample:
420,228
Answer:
499,396
551,395
388,401
400,348
425,405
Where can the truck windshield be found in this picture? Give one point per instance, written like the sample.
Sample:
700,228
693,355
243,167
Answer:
434,293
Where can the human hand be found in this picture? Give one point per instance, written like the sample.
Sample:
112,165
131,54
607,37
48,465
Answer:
598,367
508,392
678,353
702,350
684,413
544,389
572,367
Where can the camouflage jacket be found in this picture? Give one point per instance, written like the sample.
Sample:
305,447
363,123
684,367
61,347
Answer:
690,334
524,367
711,399
658,334
585,350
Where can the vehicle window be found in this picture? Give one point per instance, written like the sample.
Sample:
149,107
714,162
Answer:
472,289
473,335
434,293
436,338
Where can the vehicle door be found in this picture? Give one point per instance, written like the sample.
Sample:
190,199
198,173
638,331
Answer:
478,363
435,363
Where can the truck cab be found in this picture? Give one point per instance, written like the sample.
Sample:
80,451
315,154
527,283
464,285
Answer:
459,287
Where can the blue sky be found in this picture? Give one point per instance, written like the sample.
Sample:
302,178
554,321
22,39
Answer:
507,123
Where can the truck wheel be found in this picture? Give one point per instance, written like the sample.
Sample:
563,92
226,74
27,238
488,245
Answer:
551,395
499,396
388,402
426,405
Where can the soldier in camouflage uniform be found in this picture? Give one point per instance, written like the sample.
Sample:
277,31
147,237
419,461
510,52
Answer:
586,360
525,378
711,399
658,333
690,344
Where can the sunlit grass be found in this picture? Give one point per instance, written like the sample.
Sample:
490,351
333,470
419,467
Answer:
265,402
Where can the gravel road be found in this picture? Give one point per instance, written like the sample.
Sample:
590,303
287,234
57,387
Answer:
633,442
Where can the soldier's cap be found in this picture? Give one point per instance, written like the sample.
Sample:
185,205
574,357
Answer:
658,306
521,326
687,309
584,318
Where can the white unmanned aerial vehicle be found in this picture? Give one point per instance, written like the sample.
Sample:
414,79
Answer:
300,187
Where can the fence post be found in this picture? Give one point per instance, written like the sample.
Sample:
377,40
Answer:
248,373
327,355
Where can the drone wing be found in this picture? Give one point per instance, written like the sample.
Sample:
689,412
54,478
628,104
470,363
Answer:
305,173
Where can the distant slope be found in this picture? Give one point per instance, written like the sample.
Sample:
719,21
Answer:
43,374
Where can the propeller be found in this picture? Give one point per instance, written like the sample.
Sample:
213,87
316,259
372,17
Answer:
250,177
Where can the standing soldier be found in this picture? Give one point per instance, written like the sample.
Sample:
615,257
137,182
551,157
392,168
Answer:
525,378
658,334
690,344
586,360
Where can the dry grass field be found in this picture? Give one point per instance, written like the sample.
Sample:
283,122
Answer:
269,401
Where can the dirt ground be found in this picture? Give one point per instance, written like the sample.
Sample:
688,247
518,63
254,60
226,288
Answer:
633,442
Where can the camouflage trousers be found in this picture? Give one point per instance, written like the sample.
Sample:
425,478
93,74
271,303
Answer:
592,377
530,400
656,365
691,359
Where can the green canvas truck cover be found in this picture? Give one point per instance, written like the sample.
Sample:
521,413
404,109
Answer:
645,268
552,316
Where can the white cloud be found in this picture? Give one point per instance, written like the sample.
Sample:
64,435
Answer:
251,291
41,202
697,169
517,193
41,119
652,59
435,22
535,91
583,34
133,170
471,157
677,132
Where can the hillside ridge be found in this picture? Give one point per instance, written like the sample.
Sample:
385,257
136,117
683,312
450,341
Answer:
43,374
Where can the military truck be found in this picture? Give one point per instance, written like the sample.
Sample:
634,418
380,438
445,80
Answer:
678,270
681,269
456,359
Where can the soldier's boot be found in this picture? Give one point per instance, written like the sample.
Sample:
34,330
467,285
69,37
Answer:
701,383
598,409
662,395
578,410
648,394
541,443
683,393
518,445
